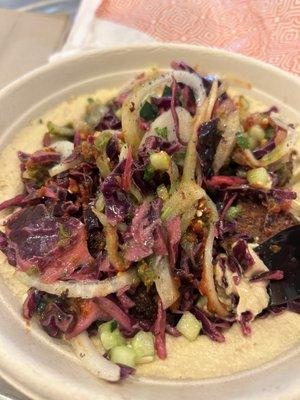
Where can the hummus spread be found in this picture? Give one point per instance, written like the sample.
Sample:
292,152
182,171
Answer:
202,358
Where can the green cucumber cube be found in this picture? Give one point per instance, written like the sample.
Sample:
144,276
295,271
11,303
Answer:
111,339
189,326
143,344
123,355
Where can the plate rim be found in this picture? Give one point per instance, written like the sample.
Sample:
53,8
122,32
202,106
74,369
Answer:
11,87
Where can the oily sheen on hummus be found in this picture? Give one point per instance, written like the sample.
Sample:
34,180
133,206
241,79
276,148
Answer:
202,358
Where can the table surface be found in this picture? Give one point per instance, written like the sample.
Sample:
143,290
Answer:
15,35
68,7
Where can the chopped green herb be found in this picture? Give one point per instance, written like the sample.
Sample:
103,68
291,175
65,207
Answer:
162,132
61,131
179,156
269,132
90,100
42,305
108,326
242,141
233,212
148,111
41,121
46,298
149,173
102,140
146,274
167,91
113,325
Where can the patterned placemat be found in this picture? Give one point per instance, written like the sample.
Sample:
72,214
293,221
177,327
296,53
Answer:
265,29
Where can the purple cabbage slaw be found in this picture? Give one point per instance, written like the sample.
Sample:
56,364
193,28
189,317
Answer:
56,223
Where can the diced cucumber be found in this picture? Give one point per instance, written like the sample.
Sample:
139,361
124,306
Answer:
112,339
160,161
253,142
256,132
259,178
189,326
109,326
143,344
123,355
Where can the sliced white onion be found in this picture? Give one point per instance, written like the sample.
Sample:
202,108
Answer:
187,195
85,290
280,151
193,81
227,142
274,117
207,284
93,361
166,120
165,285
100,215
123,153
64,147
173,173
132,105
62,167
203,114
213,94
187,218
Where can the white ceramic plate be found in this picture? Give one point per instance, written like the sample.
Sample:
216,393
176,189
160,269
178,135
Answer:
41,367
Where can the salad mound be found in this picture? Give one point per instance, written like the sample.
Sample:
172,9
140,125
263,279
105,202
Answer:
141,219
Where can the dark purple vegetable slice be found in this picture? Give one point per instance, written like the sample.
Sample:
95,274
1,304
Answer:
208,140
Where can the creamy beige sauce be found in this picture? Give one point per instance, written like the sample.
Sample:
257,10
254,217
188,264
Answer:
202,358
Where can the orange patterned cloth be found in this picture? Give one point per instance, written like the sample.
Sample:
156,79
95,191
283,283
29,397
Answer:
265,29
